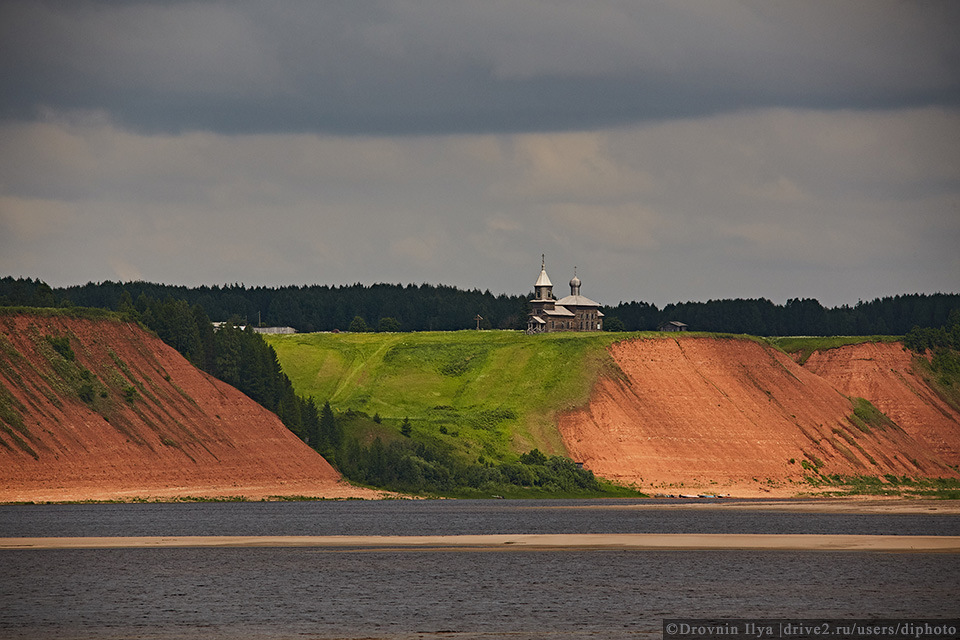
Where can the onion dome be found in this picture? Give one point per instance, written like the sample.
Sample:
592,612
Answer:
575,284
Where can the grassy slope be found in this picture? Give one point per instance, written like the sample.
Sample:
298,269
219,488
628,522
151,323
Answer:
495,393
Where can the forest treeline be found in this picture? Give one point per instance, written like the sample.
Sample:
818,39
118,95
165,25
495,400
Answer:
892,315
442,308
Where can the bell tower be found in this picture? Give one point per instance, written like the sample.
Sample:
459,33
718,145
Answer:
543,289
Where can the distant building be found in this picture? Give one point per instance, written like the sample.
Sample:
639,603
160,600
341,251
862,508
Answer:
572,313
279,330
672,325
275,330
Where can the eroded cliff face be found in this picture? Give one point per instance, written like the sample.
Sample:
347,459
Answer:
730,416
100,409
886,375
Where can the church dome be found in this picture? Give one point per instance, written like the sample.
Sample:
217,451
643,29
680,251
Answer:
575,284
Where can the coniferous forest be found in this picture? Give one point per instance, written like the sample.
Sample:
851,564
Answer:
442,308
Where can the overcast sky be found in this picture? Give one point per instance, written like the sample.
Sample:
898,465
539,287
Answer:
671,151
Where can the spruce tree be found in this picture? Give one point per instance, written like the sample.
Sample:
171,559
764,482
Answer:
330,433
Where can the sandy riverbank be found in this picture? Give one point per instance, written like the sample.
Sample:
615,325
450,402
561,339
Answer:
339,490
848,505
638,541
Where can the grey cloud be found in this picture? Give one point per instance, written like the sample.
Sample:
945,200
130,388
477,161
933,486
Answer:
671,150
776,203
447,67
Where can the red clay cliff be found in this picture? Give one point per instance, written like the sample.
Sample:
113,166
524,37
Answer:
735,416
155,426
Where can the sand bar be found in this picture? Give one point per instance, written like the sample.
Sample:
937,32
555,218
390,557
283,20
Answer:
639,541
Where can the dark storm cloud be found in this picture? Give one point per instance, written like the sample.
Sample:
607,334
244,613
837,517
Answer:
672,150
447,67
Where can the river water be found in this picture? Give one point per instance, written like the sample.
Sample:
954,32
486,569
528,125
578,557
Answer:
569,593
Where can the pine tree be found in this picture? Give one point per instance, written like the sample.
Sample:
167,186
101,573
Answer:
330,433
311,422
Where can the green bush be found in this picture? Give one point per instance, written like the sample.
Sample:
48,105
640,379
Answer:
86,392
533,457
613,323
358,325
61,344
865,416
388,325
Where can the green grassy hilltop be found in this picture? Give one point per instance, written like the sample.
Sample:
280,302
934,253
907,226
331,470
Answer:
492,393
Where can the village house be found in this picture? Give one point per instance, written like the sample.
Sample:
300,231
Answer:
572,313
266,330
672,325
